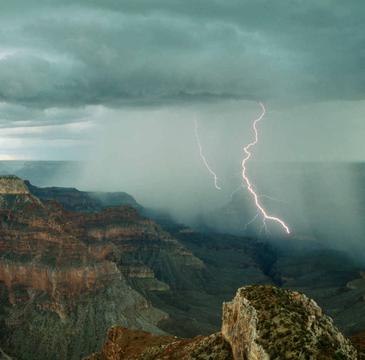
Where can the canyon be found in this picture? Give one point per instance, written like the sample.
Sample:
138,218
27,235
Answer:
66,275
260,323
74,264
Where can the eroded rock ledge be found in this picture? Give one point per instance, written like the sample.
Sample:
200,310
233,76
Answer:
260,323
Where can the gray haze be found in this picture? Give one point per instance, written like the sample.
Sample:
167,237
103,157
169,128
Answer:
118,84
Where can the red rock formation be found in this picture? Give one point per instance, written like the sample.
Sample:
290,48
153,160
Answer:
57,283
80,267
65,254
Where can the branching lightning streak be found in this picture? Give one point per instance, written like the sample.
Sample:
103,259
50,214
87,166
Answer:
271,198
264,227
215,177
252,221
246,149
241,187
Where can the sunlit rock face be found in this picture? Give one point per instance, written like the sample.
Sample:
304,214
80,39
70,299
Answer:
239,328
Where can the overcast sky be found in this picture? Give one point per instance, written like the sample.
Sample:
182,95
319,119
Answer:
70,70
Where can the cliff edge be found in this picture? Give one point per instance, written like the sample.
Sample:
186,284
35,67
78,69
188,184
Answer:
264,322
12,185
261,322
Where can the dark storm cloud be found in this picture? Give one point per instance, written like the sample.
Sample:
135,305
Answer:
71,53
14,116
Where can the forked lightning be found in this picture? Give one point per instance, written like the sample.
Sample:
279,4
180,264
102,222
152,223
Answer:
247,181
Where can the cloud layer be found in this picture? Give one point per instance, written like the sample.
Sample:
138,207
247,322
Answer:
66,54
65,62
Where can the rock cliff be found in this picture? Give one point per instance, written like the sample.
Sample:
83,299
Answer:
70,271
260,323
68,275
265,322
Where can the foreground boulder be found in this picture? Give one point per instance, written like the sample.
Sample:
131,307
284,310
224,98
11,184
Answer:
260,323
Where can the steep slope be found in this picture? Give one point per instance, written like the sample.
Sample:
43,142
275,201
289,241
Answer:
271,323
229,262
260,323
67,276
156,265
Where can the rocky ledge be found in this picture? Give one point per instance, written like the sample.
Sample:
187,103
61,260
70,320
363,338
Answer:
265,322
12,185
260,323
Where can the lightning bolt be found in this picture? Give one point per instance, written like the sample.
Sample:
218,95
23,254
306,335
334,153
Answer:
252,221
241,187
205,162
247,181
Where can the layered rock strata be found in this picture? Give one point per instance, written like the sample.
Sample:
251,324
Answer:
67,275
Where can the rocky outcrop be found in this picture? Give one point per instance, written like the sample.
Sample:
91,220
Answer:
12,185
239,328
265,322
260,323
